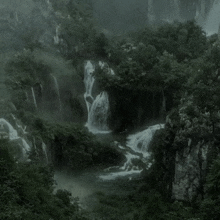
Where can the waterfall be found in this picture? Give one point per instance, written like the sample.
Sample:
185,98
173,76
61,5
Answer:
140,141
57,91
13,134
8,132
97,117
88,81
26,146
44,148
33,95
136,150
128,165
97,108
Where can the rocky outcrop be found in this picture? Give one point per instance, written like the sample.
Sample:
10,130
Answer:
193,142
190,170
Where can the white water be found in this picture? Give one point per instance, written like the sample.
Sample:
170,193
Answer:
98,107
25,145
13,136
137,149
57,91
33,95
88,81
97,117
140,141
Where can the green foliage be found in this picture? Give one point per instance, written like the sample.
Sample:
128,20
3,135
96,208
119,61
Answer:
26,192
72,146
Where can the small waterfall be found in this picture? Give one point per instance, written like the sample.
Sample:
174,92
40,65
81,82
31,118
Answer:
13,134
57,91
7,131
98,114
136,150
128,165
33,95
98,108
89,82
25,145
44,148
140,141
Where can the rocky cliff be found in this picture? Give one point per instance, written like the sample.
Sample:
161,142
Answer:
194,147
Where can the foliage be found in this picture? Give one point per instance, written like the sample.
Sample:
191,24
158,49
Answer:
27,192
72,146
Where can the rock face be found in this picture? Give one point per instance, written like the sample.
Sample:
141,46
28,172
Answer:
193,144
190,170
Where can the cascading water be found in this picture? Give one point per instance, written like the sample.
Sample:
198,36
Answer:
97,117
88,81
56,38
136,150
98,108
140,141
57,91
34,98
7,131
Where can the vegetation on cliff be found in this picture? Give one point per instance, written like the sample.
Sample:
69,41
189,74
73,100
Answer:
168,71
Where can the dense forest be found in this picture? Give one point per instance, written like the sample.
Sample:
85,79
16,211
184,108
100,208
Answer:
167,74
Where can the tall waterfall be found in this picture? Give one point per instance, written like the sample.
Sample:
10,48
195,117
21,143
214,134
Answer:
98,107
136,150
57,91
34,98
